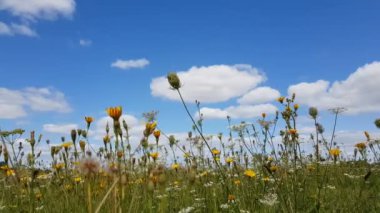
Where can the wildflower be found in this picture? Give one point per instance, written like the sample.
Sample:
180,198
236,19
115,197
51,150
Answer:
237,182
89,166
269,199
67,145
157,134
266,179
59,166
175,166
250,173
281,99
89,120
149,128
82,145
119,154
173,80
215,151
77,179
296,106
229,160
313,112
367,135
10,172
106,139
231,198
335,152
292,131
273,168
361,146
115,112
263,115
154,155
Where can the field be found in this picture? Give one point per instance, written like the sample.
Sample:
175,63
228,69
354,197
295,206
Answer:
259,167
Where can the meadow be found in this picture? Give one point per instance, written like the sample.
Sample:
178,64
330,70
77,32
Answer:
256,167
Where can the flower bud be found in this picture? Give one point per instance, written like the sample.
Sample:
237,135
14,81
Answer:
173,80
313,112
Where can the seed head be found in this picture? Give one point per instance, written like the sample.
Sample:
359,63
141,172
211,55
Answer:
313,112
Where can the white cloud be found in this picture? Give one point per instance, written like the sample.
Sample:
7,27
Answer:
16,29
259,95
238,112
85,42
210,84
46,99
13,103
130,64
358,93
38,9
59,128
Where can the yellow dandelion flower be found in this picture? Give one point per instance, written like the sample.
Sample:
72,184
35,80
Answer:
215,151
250,173
89,120
334,152
67,145
154,155
77,179
175,166
229,160
10,172
281,99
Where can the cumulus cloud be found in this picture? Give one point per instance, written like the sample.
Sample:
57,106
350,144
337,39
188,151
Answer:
85,42
210,84
259,95
358,93
38,9
130,64
14,103
16,29
59,128
238,112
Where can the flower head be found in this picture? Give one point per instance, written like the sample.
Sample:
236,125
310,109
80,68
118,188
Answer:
335,152
361,146
115,112
89,120
173,80
215,151
250,173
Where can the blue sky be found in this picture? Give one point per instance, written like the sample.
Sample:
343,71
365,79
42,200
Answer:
61,54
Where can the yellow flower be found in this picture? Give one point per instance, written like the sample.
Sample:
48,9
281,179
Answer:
334,152
215,151
231,198
59,166
273,168
237,182
115,112
250,173
157,134
263,115
77,179
11,172
266,179
175,166
89,120
82,145
361,146
292,131
67,145
296,106
229,160
281,99
154,155
106,139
